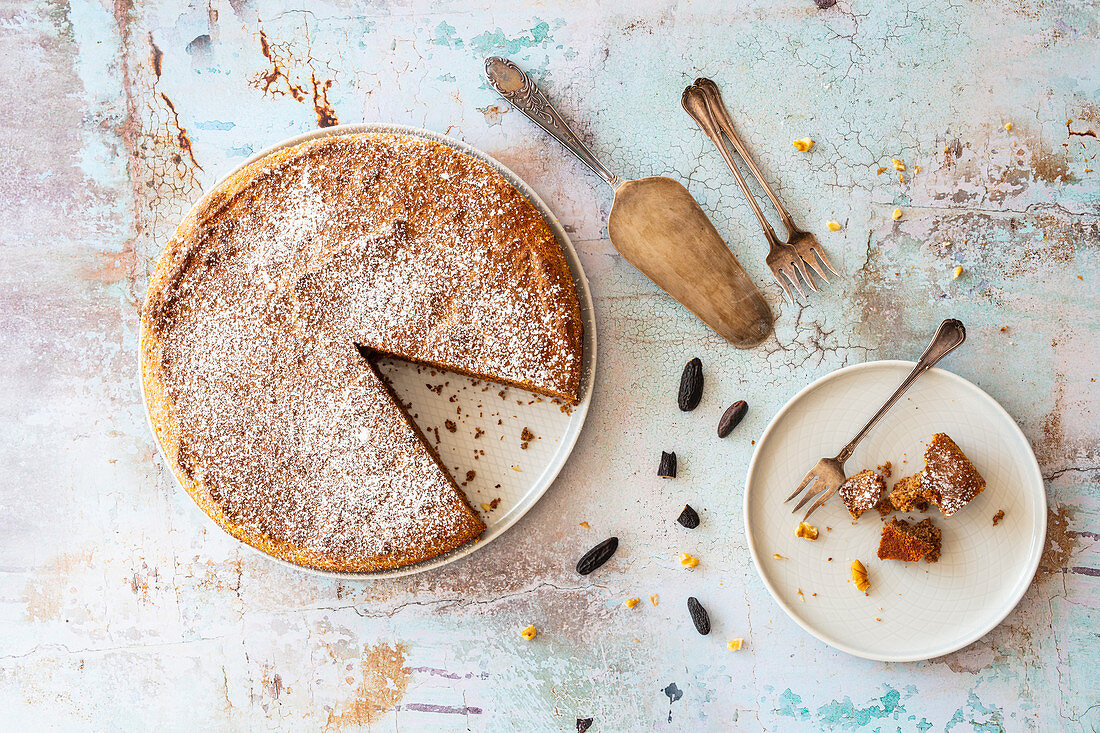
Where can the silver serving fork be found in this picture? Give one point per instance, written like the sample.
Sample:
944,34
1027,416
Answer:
828,474
703,102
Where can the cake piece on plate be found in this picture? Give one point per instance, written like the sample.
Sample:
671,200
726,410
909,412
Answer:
862,491
909,494
950,475
910,542
948,480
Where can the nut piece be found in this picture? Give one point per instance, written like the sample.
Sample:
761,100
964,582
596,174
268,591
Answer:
998,517
734,645
806,531
859,576
803,144
654,599
630,602
958,271
529,633
898,165
1008,126
667,467
880,171
896,214
833,226
688,561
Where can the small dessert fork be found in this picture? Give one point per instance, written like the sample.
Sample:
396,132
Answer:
829,472
703,102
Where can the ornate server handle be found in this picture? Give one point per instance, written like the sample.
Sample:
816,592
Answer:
512,83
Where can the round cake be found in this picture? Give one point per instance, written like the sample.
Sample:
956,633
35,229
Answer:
268,306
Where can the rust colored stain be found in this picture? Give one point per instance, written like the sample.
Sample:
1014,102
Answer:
272,682
326,115
182,139
492,113
44,595
1050,166
109,268
875,299
1060,540
383,680
156,57
1051,446
280,81
1087,132
277,80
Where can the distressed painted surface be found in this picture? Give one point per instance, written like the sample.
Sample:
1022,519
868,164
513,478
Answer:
123,607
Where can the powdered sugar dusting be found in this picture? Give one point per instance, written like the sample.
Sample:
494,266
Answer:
394,243
862,491
950,475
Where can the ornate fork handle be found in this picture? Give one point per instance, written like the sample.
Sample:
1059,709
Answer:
512,83
949,335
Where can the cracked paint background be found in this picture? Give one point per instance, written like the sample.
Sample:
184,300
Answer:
122,606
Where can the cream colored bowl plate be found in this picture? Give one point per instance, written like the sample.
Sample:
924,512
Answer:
913,610
509,474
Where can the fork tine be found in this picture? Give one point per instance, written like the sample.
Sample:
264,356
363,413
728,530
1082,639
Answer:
783,284
805,482
817,504
821,255
793,277
811,494
812,262
801,267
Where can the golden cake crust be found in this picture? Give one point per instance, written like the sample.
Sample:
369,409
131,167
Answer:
910,542
267,414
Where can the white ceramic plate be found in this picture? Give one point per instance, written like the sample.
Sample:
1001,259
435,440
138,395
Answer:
913,610
515,476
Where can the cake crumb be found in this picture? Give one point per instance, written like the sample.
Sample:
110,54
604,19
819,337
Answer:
526,436
897,214
688,561
998,517
803,144
450,425
630,602
833,226
801,595
881,170
898,165
654,599
529,633
586,525
777,556
885,469
734,645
